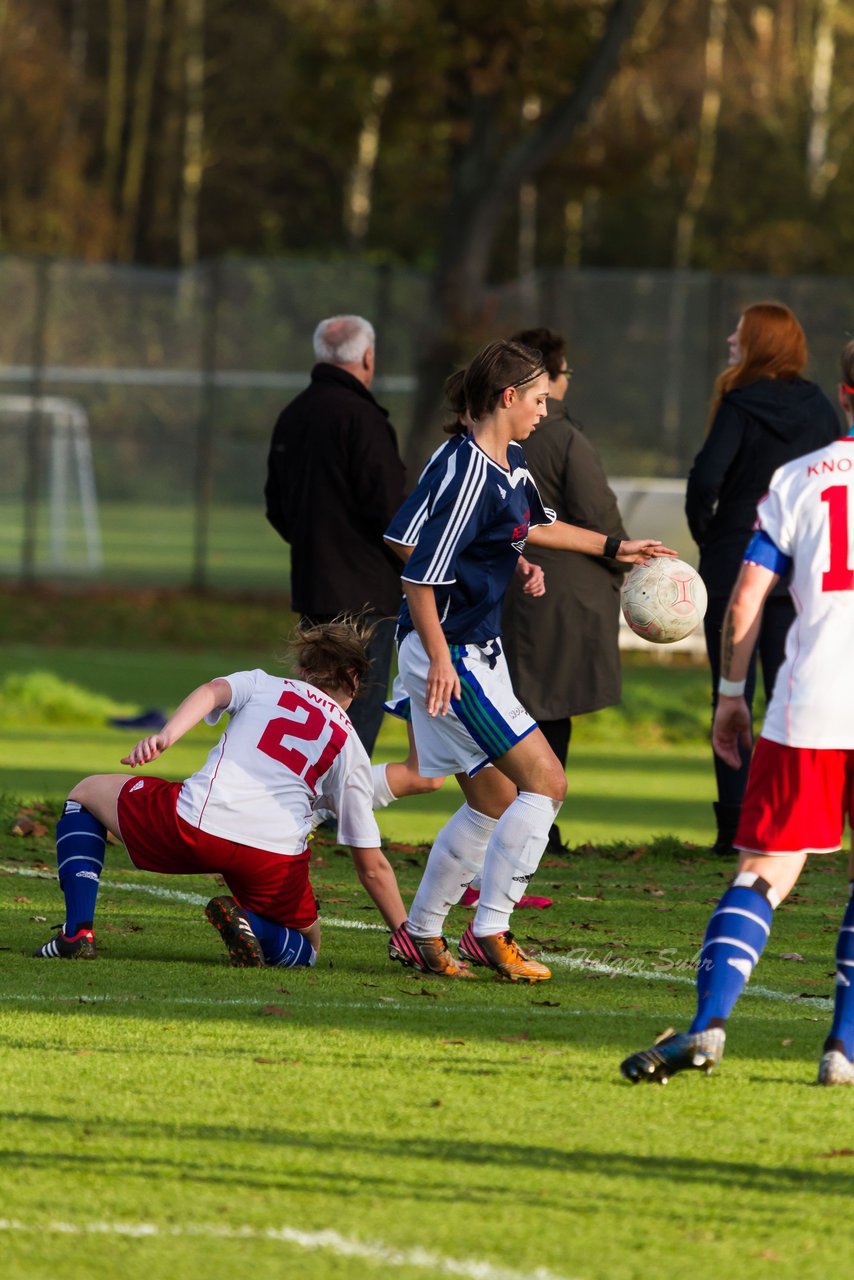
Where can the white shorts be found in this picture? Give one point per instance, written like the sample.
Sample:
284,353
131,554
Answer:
486,721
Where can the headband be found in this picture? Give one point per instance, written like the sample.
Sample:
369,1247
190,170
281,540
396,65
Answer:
523,381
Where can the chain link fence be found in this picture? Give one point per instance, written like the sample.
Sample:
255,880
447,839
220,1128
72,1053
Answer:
136,405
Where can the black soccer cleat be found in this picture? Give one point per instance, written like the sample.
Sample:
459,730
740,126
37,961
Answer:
244,949
79,947
675,1051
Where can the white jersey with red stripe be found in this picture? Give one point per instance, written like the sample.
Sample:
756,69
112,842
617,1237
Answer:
289,749
808,513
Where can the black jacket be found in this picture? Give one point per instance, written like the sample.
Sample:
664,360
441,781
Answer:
334,480
755,430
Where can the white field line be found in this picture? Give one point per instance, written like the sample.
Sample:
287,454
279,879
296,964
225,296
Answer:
581,961
327,1241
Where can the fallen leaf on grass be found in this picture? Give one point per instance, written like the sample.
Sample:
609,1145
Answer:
39,919
837,1151
791,955
22,899
275,1010
432,995
452,1042
546,1004
512,1039
787,1041
24,826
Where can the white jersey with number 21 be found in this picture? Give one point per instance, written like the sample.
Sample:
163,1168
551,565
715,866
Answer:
288,749
808,513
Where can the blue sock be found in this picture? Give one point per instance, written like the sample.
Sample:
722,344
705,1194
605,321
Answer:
80,844
842,1029
735,937
282,947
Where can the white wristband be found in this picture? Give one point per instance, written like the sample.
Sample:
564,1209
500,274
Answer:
731,688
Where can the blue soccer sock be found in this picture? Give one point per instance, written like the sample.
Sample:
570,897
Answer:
283,947
735,938
842,1031
80,843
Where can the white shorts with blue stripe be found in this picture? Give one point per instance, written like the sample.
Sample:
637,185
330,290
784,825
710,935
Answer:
484,723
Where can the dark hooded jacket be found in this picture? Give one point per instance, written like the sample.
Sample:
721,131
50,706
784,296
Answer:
756,429
562,648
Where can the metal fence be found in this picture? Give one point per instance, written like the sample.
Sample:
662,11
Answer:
179,376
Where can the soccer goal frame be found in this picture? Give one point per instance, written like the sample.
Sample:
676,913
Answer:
70,455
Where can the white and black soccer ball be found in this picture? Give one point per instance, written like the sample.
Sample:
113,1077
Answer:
663,601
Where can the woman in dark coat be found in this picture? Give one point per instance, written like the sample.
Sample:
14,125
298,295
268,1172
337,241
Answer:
764,413
562,647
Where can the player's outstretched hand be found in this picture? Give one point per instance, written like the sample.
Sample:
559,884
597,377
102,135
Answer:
146,750
731,728
640,550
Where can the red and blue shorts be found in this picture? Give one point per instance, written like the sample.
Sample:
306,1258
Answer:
273,885
797,799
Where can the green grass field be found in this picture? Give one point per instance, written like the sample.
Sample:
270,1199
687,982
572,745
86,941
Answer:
166,1115
156,543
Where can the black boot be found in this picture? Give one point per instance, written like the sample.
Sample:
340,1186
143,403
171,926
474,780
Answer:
555,843
727,816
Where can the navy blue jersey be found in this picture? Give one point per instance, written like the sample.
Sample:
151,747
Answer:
473,523
410,516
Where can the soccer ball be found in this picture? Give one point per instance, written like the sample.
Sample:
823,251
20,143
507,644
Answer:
663,601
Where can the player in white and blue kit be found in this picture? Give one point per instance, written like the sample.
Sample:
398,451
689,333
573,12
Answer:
801,781
472,526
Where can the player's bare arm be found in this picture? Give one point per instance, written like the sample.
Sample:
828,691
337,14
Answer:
212,696
443,683
570,537
732,725
377,876
399,549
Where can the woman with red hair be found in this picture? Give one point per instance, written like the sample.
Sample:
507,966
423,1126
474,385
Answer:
764,413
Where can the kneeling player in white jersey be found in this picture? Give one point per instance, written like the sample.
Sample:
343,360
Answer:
289,750
801,780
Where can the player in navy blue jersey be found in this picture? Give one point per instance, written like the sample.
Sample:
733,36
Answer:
473,523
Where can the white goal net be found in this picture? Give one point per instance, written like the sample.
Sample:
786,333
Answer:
73,528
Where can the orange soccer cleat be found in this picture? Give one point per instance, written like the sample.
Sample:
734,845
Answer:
429,955
501,952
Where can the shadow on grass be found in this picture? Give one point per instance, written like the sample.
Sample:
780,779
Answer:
479,1159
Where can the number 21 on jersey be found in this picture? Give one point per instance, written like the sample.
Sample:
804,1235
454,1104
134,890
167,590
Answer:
304,724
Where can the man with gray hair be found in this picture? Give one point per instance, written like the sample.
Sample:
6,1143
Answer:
335,478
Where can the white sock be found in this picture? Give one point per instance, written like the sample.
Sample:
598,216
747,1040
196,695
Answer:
456,857
383,794
512,858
